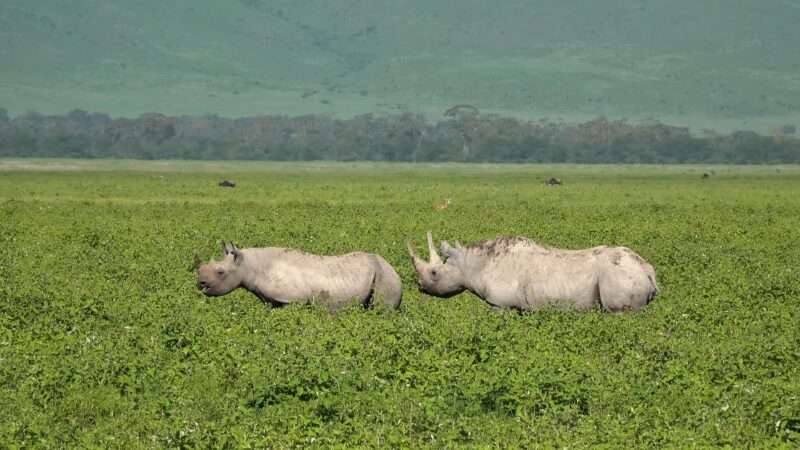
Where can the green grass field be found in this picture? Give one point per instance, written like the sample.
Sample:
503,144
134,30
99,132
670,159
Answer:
105,342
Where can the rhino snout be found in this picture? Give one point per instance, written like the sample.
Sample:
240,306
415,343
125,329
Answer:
203,286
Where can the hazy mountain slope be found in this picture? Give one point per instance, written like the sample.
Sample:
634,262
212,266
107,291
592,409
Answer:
715,61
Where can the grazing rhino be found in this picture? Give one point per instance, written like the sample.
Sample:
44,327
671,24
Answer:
516,272
226,183
280,276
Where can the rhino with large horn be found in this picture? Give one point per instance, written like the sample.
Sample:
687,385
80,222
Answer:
280,276
516,272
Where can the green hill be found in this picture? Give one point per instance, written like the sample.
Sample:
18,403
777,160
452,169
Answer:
716,63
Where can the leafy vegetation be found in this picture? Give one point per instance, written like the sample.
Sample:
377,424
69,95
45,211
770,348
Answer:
105,341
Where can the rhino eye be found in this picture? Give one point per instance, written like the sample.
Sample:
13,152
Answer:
433,272
220,272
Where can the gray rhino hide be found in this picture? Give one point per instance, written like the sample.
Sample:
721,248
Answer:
516,272
280,276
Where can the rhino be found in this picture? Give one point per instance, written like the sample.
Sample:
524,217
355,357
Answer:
516,272
280,276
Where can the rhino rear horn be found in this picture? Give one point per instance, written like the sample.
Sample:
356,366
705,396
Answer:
434,257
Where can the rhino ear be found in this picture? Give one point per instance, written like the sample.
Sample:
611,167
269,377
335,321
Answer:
448,251
197,261
444,247
226,248
229,247
237,254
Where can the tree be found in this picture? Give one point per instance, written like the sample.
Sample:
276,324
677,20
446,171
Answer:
465,118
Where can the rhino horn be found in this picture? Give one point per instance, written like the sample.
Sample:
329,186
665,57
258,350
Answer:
417,260
434,257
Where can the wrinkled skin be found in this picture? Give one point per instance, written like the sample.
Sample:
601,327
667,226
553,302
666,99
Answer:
280,276
518,273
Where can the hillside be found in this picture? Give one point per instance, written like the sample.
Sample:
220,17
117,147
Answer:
718,63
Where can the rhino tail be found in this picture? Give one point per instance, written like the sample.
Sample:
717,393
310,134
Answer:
655,290
369,300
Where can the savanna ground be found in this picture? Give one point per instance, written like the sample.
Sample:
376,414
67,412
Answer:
105,341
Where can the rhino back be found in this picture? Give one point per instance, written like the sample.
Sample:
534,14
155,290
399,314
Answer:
531,277
288,275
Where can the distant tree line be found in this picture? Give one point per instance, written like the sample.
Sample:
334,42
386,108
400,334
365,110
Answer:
463,135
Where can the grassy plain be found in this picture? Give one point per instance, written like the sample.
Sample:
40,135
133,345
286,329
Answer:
704,65
105,342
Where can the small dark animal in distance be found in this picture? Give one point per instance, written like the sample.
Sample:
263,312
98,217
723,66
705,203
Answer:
226,183
553,181
706,175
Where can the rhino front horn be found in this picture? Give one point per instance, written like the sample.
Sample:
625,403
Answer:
412,253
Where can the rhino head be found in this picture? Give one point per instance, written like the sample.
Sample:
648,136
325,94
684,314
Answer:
217,278
436,277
